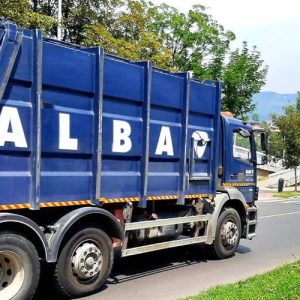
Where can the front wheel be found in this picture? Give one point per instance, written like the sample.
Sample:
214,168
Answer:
19,267
84,263
228,234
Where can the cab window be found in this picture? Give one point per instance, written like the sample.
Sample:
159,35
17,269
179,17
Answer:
241,147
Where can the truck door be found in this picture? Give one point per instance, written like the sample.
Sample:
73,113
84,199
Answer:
239,158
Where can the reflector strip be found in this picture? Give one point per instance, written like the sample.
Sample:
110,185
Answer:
102,200
239,184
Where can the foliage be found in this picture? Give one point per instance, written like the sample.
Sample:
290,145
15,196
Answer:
137,29
298,102
276,146
281,283
241,141
197,42
77,13
19,11
244,76
255,117
289,137
128,37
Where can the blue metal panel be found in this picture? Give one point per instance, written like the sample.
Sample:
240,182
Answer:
68,68
93,93
166,114
124,95
204,117
168,89
123,80
15,161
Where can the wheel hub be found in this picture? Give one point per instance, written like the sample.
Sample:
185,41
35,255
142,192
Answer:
229,233
86,260
11,274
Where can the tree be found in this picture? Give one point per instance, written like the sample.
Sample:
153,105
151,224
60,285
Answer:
244,76
76,14
138,30
255,117
197,42
19,11
129,37
289,132
298,102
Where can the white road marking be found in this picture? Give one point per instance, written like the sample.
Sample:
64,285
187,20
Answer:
279,201
278,215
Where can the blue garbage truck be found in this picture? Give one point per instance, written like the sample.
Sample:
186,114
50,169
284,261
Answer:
99,153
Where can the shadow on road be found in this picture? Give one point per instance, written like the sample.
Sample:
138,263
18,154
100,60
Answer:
134,267
243,249
131,268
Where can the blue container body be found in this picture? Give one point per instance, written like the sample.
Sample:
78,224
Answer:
77,125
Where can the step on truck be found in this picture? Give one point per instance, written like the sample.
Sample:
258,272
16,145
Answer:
99,153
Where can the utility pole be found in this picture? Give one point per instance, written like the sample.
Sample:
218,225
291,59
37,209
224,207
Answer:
59,17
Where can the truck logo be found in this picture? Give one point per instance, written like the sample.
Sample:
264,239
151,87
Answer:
200,141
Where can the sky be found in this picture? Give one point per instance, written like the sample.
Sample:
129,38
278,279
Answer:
273,26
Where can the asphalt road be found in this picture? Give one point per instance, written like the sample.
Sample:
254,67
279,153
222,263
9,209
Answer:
180,272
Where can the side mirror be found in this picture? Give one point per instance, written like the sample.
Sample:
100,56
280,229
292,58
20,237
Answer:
244,132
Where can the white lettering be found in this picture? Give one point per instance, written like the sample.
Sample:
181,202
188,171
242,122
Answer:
11,129
65,141
121,136
165,142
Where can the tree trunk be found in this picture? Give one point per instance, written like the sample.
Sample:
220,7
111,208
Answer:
295,169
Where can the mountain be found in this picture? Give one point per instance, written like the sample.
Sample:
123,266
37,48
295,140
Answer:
271,102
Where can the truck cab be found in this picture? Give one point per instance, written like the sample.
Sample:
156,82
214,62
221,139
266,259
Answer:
239,159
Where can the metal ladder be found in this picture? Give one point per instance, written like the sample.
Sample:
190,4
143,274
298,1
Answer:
250,234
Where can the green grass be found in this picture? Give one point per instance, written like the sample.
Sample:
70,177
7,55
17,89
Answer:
281,283
287,194
262,178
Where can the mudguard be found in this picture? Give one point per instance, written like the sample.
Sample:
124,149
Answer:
28,225
62,226
221,199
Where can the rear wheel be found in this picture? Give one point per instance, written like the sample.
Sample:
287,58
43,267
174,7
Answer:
228,234
84,263
19,267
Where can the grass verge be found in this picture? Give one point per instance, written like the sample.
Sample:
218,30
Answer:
281,283
287,194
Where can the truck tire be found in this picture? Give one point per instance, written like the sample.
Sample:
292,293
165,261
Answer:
84,263
228,234
19,267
